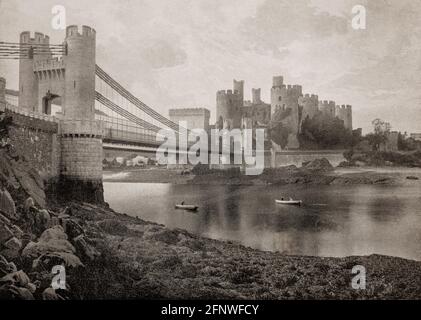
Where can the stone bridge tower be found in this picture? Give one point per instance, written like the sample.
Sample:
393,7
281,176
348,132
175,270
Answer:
72,80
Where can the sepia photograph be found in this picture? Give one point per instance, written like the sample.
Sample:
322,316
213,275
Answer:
196,152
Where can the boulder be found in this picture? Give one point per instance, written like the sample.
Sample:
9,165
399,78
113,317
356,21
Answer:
51,240
17,232
7,205
12,248
12,292
5,233
54,233
28,205
48,260
41,220
18,278
6,267
51,294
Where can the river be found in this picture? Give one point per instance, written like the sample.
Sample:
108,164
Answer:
334,221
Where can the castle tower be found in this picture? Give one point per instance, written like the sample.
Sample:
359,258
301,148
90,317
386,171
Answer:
28,83
310,105
256,96
238,87
285,99
228,109
2,94
348,121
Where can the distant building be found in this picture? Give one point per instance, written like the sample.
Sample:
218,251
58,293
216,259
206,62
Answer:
196,118
416,136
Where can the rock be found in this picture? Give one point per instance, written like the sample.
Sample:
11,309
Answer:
319,165
34,250
7,205
42,220
29,203
72,228
85,249
49,260
54,233
17,232
6,267
412,178
12,248
18,278
15,293
51,294
5,233
31,183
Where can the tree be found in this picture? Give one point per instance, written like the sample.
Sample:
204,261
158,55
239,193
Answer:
324,132
380,135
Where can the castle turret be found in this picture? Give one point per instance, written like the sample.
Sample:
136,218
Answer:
256,96
80,73
2,94
35,49
238,86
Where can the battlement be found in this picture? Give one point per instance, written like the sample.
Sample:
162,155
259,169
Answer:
39,38
311,97
228,92
73,31
50,64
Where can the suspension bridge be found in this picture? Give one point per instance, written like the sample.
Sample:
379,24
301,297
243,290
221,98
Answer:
128,123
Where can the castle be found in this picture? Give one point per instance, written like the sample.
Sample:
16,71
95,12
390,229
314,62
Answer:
288,106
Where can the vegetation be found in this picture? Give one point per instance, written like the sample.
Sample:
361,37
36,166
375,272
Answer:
324,132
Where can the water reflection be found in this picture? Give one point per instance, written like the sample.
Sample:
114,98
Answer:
334,221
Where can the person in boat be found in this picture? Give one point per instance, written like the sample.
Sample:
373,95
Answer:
182,203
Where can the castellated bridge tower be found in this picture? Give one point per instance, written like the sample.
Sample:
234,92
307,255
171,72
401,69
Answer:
28,80
81,134
71,79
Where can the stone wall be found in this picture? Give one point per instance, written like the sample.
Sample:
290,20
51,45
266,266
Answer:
38,141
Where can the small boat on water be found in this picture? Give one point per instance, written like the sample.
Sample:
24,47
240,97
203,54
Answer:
290,202
188,207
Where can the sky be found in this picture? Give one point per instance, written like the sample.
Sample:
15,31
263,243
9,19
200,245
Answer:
178,53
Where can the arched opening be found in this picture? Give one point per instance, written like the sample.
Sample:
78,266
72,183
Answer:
50,103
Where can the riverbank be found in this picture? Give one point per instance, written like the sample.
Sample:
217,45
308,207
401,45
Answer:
281,176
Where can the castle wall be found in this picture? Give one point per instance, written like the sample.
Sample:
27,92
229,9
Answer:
196,118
